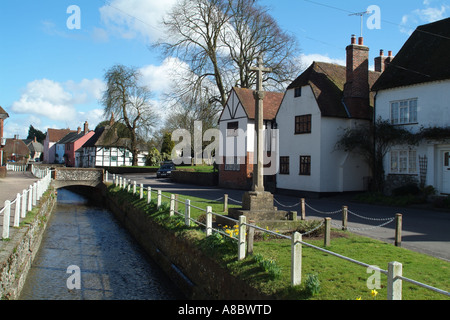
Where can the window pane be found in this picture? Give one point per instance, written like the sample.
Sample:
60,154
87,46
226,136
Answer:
394,161
412,162
394,113
413,111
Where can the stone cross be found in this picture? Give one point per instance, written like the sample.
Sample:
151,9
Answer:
258,171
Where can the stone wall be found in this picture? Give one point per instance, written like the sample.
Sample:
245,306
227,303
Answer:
17,254
197,275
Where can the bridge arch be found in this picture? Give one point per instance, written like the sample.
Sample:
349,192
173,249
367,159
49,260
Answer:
66,177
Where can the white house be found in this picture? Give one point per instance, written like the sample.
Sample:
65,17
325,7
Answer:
414,92
322,102
237,127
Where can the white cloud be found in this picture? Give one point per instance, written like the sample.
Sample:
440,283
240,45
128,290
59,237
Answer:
70,103
308,59
135,18
423,16
160,78
45,98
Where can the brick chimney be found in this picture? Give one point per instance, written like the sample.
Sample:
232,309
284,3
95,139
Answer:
356,88
382,61
86,128
357,85
78,130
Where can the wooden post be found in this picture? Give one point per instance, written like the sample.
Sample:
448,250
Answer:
6,219
172,205
24,204
344,217
30,197
241,241
303,209
250,238
394,287
158,203
208,221
17,211
398,230
34,194
327,237
187,213
176,203
149,194
296,259
225,203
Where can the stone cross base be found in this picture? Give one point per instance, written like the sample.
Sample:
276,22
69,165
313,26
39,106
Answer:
257,206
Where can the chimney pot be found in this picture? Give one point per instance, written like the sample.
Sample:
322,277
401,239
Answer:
78,130
390,53
353,39
381,52
361,41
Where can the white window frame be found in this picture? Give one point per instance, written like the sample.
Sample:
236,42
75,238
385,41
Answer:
403,161
404,111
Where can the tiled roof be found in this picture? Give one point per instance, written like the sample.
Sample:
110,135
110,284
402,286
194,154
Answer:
327,81
425,57
57,134
272,102
3,114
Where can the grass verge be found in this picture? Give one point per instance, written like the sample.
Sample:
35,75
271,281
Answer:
268,269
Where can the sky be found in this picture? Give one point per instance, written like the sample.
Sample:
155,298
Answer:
54,56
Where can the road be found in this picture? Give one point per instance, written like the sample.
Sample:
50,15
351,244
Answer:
424,230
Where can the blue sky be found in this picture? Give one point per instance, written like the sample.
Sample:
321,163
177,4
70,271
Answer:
52,76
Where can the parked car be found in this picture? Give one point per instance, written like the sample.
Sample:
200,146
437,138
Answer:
165,170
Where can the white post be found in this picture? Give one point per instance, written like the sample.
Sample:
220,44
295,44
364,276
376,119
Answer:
158,201
34,194
187,213
38,190
149,194
106,175
208,221
241,241
17,211
6,218
172,205
120,182
128,185
394,287
296,259
134,187
30,198
24,204
141,191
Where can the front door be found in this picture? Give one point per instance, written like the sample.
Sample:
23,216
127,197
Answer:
446,173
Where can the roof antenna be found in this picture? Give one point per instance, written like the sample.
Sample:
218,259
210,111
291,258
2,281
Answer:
361,14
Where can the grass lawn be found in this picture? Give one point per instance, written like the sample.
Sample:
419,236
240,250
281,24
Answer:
338,279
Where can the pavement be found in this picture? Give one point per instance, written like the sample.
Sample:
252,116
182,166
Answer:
424,230
14,183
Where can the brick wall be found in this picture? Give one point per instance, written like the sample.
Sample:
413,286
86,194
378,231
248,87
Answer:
241,179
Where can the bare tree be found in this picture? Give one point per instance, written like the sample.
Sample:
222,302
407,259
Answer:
219,40
130,102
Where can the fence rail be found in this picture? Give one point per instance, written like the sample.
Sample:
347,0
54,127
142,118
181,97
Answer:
25,201
393,272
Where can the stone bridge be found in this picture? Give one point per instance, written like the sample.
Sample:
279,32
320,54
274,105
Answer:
65,177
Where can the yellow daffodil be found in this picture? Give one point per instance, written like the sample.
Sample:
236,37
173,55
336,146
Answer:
374,293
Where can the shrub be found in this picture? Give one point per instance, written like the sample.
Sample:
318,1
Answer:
409,189
313,284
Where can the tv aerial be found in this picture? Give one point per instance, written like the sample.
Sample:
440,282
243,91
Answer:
361,14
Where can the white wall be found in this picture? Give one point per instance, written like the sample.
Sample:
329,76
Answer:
433,109
293,145
331,170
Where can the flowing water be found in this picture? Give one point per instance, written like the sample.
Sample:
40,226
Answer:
87,255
